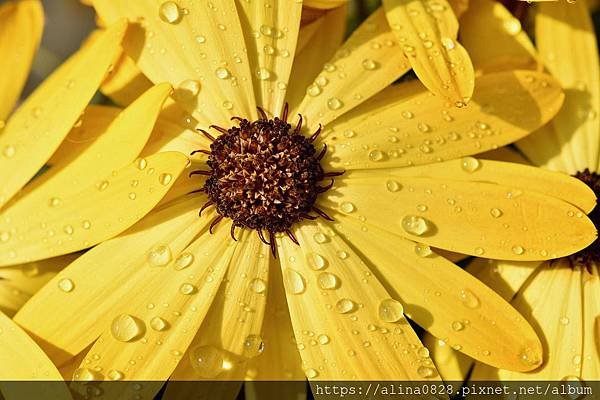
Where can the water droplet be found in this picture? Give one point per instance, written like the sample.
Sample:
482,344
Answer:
423,352
313,90
165,179
295,281
159,324
187,289
222,73
263,74
470,164
319,238
426,372
392,186
529,357
328,281
169,12
115,375
345,306
479,251
253,346
496,212
126,328
4,237
423,250
469,299
564,320
159,256
201,39
9,151
458,326
315,261
207,361
448,43
258,285
86,224
85,375
334,103
68,229
347,207
311,373
414,225
183,261
66,285
375,155
369,64
390,310
141,164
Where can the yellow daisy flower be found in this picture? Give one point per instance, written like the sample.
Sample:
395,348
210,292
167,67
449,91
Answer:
175,296
559,297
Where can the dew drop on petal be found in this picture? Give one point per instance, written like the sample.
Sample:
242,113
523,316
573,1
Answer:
422,250
207,361
469,299
518,250
323,339
165,179
426,372
169,12
345,306
458,326
390,310
376,155
159,324
334,103
316,261
496,212
258,285
115,375
183,261
392,186
126,328
253,346
415,225
222,73
311,373
85,375
66,285
470,164
347,207
187,288
159,256
295,281
328,281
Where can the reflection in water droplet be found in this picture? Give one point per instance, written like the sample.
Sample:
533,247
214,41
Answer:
390,310
295,281
344,306
328,281
253,346
159,256
169,12
415,225
126,328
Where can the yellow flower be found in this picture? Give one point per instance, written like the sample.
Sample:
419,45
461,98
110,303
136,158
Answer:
161,296
561,297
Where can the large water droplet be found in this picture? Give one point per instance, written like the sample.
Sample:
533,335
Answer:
423,250
295,281
187,288
415,225
347,207
169,12
469,299
207,361
470,164
316,261
392,186
159,324
183,261
345,306
328,281
222,73
159,256
390,310
258,285
115,375
334,103
253,346
126,328
66,285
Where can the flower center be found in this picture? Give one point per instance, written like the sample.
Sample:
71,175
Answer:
264,175
591,254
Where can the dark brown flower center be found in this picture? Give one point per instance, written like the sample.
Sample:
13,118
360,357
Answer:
590,254
264,175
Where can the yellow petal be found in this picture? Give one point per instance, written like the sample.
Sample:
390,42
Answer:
452,365
354,331
113,149
102,210
178,46
271,51
476,218
21,26
552,302
546,148
505,153
324,4
280,360
590,357
22,360
102,283
488,21
405,125
41,123
567,44
444,299
366,63
317,43
459,7
126,83
549,183
428,38
20,282
505,277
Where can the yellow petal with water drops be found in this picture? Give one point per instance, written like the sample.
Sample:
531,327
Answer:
20,282
590,357
126,83
567,45
324,4
346,324
451,364
21,26
198,47
366,63
427,32
459,7
102,210
317,43
147,251
505,277
488,21
406,125
94,159
477,218
444,299
22,360
39,125
524,177
551,301
280,360
271,31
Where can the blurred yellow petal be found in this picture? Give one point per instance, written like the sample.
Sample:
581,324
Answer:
505,153
366,63
21,26
567,44
405,125
552,303
428,37
41,123
22,360
505,277
459,7
317,43
102,210
488,21
117,266
491,220
546,148
444,299
209,43
126,83
385,346
590,357
20,282
271,52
